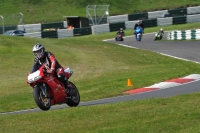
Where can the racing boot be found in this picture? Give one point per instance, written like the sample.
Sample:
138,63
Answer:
68,87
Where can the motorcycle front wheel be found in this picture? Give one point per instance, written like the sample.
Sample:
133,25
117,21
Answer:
74,99
43,101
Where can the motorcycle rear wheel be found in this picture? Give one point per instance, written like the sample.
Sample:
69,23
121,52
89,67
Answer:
44,103
74,99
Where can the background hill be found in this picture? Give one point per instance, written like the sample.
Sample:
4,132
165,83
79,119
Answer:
36,11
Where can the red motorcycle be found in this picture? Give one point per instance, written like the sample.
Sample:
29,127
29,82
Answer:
119,37
48,90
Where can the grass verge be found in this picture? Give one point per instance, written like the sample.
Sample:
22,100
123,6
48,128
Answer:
45,11
100,70
178,114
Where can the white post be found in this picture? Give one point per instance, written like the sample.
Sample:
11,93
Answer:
95,13
22,19
3,23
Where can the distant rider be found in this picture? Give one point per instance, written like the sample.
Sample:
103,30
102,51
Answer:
161,32
139,23
121,31
50,62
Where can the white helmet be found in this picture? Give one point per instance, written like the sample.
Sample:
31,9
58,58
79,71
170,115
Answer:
161,29
38,50
139,21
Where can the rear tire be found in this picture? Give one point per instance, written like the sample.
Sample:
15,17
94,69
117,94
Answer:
75,98
44,103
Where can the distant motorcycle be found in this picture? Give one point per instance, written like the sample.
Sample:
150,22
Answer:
48,90
138,33
158,36
119,37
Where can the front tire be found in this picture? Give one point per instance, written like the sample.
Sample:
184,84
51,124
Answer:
44,103
74,99
139,37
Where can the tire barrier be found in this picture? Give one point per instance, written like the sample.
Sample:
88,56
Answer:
184,35
114,23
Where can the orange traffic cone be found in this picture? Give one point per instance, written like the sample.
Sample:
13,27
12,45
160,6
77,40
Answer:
129,83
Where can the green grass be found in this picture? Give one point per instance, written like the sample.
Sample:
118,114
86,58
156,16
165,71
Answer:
178,114
37,11
100,70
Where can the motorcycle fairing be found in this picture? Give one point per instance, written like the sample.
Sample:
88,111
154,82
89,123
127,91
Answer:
34,76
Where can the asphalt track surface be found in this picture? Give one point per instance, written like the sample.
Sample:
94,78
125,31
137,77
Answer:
185,50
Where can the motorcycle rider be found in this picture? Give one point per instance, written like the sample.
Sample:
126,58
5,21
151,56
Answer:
139,23
121,31
161,33
50,62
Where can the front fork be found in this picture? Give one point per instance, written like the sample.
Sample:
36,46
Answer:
44,89
137,36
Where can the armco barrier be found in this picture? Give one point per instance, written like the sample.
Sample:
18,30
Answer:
117,26
193,18
157,14
96,29
57,25
184,35
164,21
130,24
149,22
64,33
82,31
118,18
178,12
49,34
179,20
6,28
109,27
136,16
103,28
33,35
38,27
30,27
193,10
